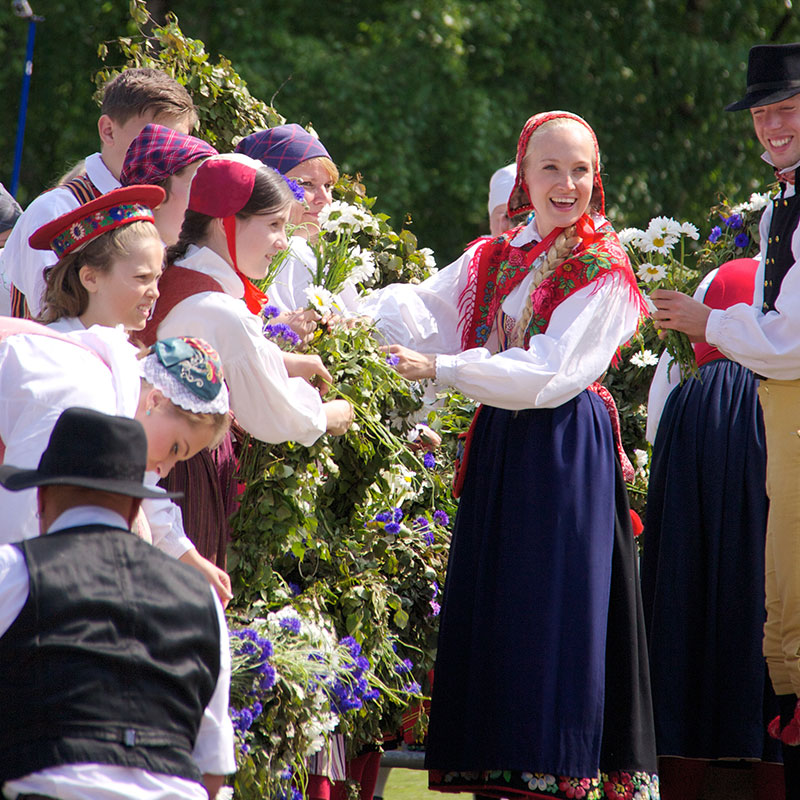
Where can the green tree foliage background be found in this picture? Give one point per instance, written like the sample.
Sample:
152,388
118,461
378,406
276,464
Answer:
425,98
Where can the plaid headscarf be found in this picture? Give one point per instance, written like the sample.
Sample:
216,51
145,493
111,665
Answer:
282,147
158,152
520,200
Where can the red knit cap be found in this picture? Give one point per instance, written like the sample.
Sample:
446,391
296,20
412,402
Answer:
223,184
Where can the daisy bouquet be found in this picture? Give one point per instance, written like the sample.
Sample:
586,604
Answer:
339,257
658,255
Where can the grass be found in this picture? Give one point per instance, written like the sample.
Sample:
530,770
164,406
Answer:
408,784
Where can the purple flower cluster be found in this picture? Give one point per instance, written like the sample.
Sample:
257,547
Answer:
429,460
734,221
404,667
716,232
440,517
291,624
424,527
349,692
392,360
391,520
268,312
261,650
435,607
741,240
280,332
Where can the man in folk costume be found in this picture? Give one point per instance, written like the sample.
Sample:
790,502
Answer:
765,336
115,658
130,101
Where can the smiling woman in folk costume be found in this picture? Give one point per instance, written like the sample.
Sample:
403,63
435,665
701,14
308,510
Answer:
541,682
235,223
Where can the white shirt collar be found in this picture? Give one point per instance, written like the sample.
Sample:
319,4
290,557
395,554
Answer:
528,234
99,174
765,157
88,515
204,259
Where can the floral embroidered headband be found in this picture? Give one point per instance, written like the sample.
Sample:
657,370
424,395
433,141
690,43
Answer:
70,231
520,200
188,372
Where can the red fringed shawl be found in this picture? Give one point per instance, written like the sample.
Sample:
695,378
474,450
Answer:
497,267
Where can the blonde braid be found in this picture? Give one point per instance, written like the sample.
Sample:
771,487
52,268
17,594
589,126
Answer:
556,255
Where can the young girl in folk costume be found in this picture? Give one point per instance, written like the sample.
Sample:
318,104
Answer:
302,157
541,685
160,156
235,223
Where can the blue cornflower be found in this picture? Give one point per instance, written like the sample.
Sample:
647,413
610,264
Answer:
361,665
257,709
291,624
383,516
267,676
286,773
392,360
741,240
428,537
734,221
268,312
422,523
716,232
352,645
266,648
429,460
398,514
293,588
406,665
281,330
413,688
441,517
249,648
392,527
245,719
372,694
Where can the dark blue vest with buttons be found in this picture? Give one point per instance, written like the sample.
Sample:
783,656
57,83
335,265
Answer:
779,257
112,659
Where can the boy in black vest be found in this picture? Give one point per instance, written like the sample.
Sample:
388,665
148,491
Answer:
115,658
130,100
765,337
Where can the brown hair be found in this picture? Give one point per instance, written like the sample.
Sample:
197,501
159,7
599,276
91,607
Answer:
64,294
324,161
270,195
142,90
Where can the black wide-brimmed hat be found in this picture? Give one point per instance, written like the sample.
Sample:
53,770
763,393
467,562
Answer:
92,450
773,74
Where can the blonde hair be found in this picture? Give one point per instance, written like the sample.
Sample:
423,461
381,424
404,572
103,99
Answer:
219,423
64,294
326,163
595,202
556,255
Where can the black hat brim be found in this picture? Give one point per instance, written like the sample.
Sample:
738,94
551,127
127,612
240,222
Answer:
764,98
15,479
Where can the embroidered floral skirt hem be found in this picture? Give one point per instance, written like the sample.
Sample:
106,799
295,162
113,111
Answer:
614,786
542,666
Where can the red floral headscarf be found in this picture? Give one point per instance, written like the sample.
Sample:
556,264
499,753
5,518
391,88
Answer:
519,202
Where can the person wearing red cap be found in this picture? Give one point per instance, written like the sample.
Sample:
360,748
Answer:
301,157
110,258
541,681
130,100
235,223
160,156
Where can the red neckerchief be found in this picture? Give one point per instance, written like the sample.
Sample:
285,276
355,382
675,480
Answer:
785,177
254,298
497,267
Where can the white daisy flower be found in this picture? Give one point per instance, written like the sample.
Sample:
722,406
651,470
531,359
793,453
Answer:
364,267
641,458
321,300
687,229
656,239
651,272
427,254
630,236
645,358
666,225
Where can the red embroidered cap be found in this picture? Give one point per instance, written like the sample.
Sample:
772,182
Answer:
158,152
520,200
74,229
223,184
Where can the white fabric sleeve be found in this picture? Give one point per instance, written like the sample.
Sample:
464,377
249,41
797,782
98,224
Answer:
166,521
214,748
266,402
424,316
13,585
584,332
768,344
23,265
666,378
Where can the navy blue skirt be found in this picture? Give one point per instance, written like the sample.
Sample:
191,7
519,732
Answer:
703,570
541,666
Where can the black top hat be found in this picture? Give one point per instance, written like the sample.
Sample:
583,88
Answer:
92,450
773,74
